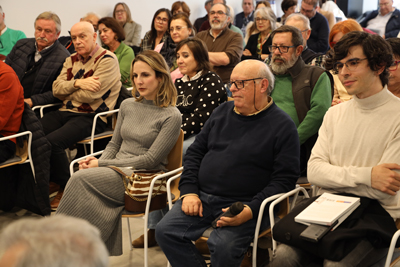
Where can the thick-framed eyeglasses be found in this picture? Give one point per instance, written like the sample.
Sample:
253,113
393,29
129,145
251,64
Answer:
394,65
351,64
177,28
239,84
282,49
212,13
162,20
119,11
260,20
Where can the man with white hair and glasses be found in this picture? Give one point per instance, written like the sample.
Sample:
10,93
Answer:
248,150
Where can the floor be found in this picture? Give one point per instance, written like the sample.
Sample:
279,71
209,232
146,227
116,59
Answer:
128,258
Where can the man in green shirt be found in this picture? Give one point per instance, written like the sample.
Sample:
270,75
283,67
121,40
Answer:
8,37
304,92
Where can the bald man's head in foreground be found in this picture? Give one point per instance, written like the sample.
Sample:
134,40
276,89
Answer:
252,82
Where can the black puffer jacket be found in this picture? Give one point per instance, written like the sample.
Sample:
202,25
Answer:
30,195
52,62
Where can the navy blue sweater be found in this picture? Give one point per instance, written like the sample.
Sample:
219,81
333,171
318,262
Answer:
247,158
318,41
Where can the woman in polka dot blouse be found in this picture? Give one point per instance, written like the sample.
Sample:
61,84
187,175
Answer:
200,90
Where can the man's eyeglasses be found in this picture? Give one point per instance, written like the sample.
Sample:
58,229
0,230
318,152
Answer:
394,65
239,84
308,11
1,44
282,49
162,20
351,64
177,28
212,13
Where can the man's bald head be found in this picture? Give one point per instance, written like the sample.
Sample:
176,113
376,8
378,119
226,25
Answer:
84,38
252,82
256,69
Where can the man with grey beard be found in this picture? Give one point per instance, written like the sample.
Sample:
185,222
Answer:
304,92
38,61
225,47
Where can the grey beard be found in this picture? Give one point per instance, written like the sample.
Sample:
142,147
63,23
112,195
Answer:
282,68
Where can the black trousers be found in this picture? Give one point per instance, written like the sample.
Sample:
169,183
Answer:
7,149
63,129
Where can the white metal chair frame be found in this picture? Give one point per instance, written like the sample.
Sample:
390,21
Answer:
43,107
90,139
29,158
92,135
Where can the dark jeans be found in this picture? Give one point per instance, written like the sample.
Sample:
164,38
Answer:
63,129
176,231
7,149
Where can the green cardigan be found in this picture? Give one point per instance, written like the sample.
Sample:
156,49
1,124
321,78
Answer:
125,57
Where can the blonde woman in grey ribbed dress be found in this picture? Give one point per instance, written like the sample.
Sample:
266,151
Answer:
146,130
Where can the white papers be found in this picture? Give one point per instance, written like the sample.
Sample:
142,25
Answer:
327,209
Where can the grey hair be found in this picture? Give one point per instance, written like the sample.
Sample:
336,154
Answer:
91,14
56,241
299,17
267,13
48,15
265,72
1,10
231,13
228,10
253,1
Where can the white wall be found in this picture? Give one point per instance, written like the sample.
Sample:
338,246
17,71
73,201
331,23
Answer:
21,14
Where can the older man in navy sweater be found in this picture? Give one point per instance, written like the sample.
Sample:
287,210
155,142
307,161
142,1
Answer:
247,151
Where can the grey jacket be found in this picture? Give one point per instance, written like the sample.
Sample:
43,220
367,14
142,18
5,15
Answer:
133,31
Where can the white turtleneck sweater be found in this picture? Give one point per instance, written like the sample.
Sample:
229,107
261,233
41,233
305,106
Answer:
354,137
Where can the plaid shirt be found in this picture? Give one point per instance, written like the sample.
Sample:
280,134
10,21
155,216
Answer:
146,45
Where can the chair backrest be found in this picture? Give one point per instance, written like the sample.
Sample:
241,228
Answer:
175,155
174,162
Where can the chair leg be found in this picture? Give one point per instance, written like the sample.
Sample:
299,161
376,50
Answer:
84,147
129,231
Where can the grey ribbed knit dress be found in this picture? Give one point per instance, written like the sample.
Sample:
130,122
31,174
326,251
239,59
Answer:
142,139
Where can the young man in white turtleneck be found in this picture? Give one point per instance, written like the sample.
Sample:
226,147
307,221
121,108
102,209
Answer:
357,150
